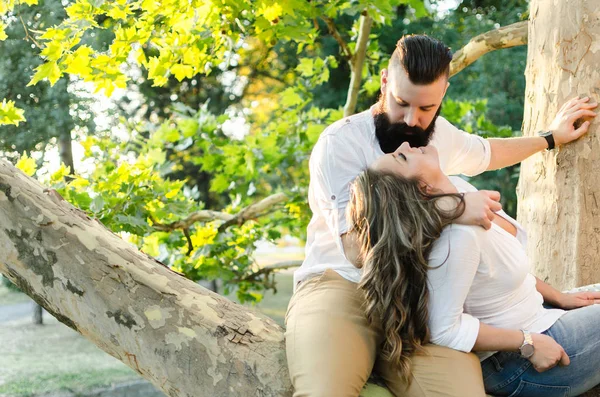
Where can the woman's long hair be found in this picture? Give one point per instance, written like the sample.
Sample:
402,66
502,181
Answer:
396,223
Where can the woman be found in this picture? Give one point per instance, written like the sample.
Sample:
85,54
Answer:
427,279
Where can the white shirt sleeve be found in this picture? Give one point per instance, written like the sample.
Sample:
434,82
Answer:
333,165
453,263
468,154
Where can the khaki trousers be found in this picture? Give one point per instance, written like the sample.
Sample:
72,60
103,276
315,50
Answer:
332,349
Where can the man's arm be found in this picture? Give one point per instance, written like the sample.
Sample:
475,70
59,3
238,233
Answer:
510,151
506,152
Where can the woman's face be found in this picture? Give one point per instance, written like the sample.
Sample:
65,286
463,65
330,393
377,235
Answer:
422,163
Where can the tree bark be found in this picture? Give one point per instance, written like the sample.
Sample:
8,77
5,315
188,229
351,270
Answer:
559,200
505,37
37,316
65,152
356,64
183,338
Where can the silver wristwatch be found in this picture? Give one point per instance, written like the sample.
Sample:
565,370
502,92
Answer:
526,348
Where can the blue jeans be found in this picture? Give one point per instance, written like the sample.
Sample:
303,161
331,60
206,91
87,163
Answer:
578,332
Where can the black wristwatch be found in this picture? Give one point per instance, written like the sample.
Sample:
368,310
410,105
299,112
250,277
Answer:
549,138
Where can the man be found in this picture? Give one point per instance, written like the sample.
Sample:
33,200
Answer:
331,346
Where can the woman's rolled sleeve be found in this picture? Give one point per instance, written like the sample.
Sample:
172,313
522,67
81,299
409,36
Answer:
453,263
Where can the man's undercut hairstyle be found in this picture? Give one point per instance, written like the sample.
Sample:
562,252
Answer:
423,58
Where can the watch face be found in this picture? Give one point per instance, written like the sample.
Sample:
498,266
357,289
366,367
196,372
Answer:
527,351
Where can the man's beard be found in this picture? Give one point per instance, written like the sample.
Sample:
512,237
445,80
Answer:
392,135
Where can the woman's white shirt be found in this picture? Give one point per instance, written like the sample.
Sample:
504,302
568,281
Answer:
482,276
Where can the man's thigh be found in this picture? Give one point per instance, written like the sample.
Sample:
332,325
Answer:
441,372
330,345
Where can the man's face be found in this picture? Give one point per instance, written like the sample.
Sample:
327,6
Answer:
407,112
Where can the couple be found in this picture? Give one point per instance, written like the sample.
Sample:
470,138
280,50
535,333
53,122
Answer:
391,263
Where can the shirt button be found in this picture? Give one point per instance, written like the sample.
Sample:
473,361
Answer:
333,197
347,120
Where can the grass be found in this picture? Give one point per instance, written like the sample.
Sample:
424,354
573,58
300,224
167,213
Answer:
49,358
39,359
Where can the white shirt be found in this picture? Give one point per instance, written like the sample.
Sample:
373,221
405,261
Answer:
343,151
479,275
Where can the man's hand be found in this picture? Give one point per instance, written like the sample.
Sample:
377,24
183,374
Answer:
563,127
480,208
575,300
548,353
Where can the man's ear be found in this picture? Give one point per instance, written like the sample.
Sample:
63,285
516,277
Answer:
384,79
446,89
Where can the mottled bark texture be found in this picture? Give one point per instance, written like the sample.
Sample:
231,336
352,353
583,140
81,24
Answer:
184,339
559,195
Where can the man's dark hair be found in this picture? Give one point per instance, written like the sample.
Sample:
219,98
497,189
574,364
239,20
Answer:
423,58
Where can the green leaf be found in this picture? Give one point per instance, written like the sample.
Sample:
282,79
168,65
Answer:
48,70
9,114
97,204
182,71
220,183
3,34
306,67
290,98
26,164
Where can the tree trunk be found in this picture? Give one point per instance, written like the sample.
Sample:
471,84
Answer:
65,150
38,314
558,190
183,338
356,64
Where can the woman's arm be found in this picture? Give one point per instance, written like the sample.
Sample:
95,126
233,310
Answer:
547,352
453,265
566,301
551,295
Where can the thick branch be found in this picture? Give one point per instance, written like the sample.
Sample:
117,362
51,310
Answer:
336,35
357,64
200,216
255,210
250,212
505,37
184,339
272,268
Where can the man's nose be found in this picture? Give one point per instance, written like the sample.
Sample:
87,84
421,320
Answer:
410,118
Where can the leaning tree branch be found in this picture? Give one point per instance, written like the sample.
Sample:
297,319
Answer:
200,216
183,338
255,210
266,270
252,211
505,37
336,35
357,63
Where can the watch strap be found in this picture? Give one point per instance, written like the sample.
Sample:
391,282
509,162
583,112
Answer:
549,137
527,341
